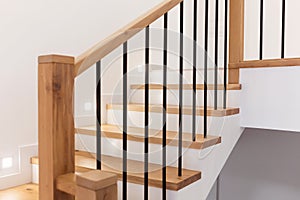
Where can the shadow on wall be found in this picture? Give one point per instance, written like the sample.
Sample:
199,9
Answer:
264,165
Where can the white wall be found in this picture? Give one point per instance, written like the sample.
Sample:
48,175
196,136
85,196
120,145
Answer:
270,97
264,165
32,28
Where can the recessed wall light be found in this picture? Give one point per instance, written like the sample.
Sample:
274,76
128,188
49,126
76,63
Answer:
88,106
7,162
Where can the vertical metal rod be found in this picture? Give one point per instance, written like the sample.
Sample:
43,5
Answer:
225,53
98,108
125,121
261,29
283,30
218,188
216,54
164,146
146,152
205,68
194,70
180,92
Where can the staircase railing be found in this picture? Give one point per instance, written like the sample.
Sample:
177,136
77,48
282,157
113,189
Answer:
56,83
261,62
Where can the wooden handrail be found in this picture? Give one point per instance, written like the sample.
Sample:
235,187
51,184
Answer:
285,62
100,50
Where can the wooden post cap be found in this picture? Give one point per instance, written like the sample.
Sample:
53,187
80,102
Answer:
56,59
96,180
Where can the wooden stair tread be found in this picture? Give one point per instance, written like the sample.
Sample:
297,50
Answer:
67,183
186,86
86,161
155,136
173,109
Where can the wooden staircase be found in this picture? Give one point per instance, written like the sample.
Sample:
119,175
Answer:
63,171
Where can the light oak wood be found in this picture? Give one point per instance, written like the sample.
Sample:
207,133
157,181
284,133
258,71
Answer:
173,109
155,136
286,62
85,160
108,193
65,183
187,87
96,179
23,192
236,38
56,123
91,185
100,50
56,59
97,185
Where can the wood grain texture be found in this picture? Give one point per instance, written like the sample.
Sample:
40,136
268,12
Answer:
155,136
108,193
92,185
56,59
96,179
86,161
56,125
100,50
286,62
186,87
173,109
236,38
23,192
96,185
66,183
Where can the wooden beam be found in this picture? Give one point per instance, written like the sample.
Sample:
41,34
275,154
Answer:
236,38
286,62
100,50
56,123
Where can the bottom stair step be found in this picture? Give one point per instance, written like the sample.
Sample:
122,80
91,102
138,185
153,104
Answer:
85,161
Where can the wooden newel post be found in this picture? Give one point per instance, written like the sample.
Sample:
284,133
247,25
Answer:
236,38
96,185
56,123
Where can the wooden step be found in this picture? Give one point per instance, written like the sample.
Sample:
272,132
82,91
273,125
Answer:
85,161
186,87
155,136
173,109
67,183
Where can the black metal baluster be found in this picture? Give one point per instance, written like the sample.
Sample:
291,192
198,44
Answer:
165,60
225,53
261,29
98,106
194,69
283,30
146,141
216,53
205,69
125,121
180,92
